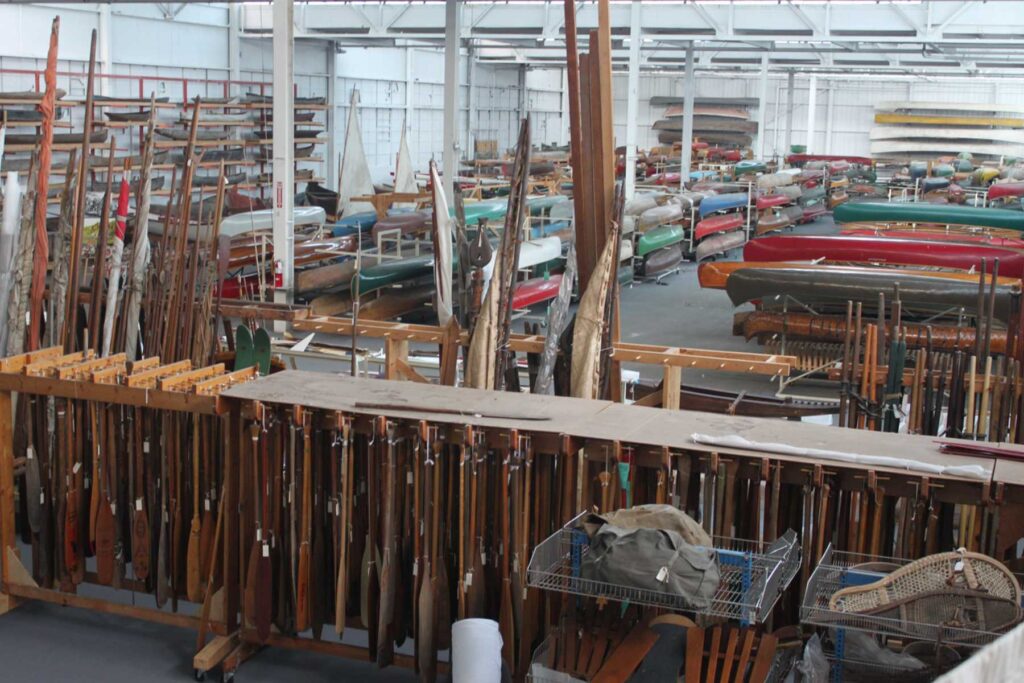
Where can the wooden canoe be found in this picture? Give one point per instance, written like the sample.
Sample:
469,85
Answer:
719,244
717,224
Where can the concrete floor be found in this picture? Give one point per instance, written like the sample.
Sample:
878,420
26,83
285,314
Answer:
48,643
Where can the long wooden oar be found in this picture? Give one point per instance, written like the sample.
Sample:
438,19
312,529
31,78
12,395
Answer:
389,569
344,435
302,595
193,559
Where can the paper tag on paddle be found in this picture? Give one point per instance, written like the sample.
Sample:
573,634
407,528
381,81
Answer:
138,505
416,568
87,483
206,503
166,517
145,446
408,478
259,535
266,550
76,468
42,498
662,575
515,564
468,580
29,453
483,558
113,509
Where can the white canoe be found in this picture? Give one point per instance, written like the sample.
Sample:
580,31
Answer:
949,107
936,133
883,148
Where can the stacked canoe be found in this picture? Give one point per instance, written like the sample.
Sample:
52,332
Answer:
905,129
723,122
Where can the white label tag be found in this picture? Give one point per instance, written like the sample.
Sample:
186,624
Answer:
206,503
29,453
145,446
483,558
468,581
266,550
416,568
259,535
138,505
76,468
515,564
113,509
662,576
408,478
42,498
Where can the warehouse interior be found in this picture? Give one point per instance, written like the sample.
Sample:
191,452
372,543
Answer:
512,341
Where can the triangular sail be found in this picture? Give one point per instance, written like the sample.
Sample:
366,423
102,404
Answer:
354,179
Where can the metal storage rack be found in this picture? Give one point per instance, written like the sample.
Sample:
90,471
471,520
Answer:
752,580
839,569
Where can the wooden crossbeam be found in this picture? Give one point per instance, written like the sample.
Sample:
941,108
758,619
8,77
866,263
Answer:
148,377
184,381
699,359
85,368
214,385
17,363
50,365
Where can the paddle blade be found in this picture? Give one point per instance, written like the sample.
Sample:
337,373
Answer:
140,545
193,564
302,594
105,542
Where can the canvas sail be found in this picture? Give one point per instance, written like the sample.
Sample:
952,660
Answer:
354,177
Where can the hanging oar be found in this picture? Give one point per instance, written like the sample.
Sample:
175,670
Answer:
442,238
115,266
302,599
505,617
591,321
388,569
193,563
343,437
137,276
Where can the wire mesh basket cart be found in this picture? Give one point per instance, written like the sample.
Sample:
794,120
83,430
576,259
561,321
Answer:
752,578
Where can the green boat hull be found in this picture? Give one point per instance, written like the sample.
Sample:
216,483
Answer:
749,167
490,209
659,238
943,214
394,271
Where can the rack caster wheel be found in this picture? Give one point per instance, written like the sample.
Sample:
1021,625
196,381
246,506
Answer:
198,675
227,677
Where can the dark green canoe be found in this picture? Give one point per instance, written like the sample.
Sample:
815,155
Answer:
659,238
491,209
393,271
920,212
749,166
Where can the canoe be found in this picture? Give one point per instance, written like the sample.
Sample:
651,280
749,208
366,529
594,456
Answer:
714,275
394,271
658,238
723,202
662,260
915,212
943,170
716,224
770,181
708,400
660,215
772,221
933,184
539,251
888,147
719,244
1004,190
907,252
984,176
490,210
813,211
251,221
537,290
626,250
713,124
541,205
676,111
410,223
965,238
355,223
795,214
128,117
768,201
749,166
58,138
250,250
800,159
1007,135
642,202
919,293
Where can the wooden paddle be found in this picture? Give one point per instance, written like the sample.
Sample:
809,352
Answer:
426,633
343,427
193,562
105,521
505,618
302,599
389,569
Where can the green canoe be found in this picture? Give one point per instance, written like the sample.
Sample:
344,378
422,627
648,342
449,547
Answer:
658,238
540,205
749,167
393,271
919,212
942,170
491,209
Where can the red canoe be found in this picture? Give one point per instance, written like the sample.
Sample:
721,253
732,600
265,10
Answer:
1004,190
535,291
797,159
964,238
851,249
721,223
768,201
812,212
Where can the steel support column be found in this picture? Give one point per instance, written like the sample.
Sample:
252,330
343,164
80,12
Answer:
632,100
234,48
103,49
762,108
689,93
284,148
812,106
410,107
829,116
790,103
332,113
471,101
452,31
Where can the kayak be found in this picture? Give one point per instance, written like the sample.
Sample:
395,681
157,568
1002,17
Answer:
535,291
723,202
915,212
920,293
718,224
907,252
658,238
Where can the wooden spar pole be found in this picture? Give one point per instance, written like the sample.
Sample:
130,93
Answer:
41,253
71,310
572,68
100,261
